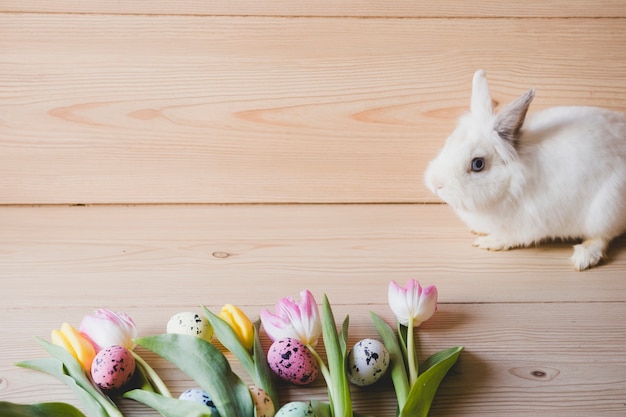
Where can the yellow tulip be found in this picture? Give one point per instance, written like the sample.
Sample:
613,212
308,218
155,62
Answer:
240,323
75,343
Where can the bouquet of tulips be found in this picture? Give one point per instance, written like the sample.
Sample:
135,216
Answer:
98,360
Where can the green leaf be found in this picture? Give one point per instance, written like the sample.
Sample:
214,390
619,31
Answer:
256,365
147,377
264,375
343,337
228,338
74,370
55,367
169,407
423,392
340,395
39,410
396,358
205,364
321,409
438,357
403,336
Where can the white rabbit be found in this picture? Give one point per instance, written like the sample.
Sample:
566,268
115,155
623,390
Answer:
560,173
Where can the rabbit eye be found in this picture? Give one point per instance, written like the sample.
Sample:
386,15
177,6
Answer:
478,164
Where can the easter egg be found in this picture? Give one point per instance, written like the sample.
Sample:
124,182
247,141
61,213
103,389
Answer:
113,367
191,324
292,361
295,409
262,402
199,396
367,362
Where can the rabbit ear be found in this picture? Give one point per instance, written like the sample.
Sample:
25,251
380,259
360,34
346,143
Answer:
481,99
510,120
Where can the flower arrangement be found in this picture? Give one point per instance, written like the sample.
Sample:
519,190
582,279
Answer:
98,360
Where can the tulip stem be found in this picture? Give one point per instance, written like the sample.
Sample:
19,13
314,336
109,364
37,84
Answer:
323,368
153,378
410,350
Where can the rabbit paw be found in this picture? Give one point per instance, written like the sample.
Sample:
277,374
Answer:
477,233
589,253
491,242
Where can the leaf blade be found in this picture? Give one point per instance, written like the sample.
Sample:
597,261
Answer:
398,368
55,368
53,409
205,364
423,391
228,338
168,407
340,397
264,375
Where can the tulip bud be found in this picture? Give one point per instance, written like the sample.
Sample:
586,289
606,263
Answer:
412,303
75,343
296,319
107,328
240,323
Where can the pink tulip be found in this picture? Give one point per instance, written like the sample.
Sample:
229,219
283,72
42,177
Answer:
412,303
106,328
298,320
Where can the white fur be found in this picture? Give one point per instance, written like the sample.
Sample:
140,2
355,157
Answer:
564,176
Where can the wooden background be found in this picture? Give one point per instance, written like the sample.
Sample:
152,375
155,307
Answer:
159,155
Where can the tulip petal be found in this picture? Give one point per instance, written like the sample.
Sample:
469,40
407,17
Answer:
298,320
398,303
71,340
240,323
427,304
107,328
412,302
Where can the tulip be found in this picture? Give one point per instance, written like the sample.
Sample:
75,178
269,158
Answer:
75,343
240,323
107,328
298,320
412,303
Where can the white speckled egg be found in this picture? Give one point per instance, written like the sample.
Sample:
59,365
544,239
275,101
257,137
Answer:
190,323
199,396
262,402
295,409
367,362
113,367
292,361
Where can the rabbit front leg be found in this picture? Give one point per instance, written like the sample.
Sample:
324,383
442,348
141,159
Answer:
589,253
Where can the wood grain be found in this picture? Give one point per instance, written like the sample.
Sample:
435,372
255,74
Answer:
178,109
158,112
151,251
329,8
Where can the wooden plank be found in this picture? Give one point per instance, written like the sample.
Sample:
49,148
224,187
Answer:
325,8
149,109
526,359
161,255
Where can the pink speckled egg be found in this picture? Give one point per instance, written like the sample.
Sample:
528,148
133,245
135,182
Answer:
113,367
292,361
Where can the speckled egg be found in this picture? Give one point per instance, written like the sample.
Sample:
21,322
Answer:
295,409
367,362
199,396
113,367
292,361
190,323
262,402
